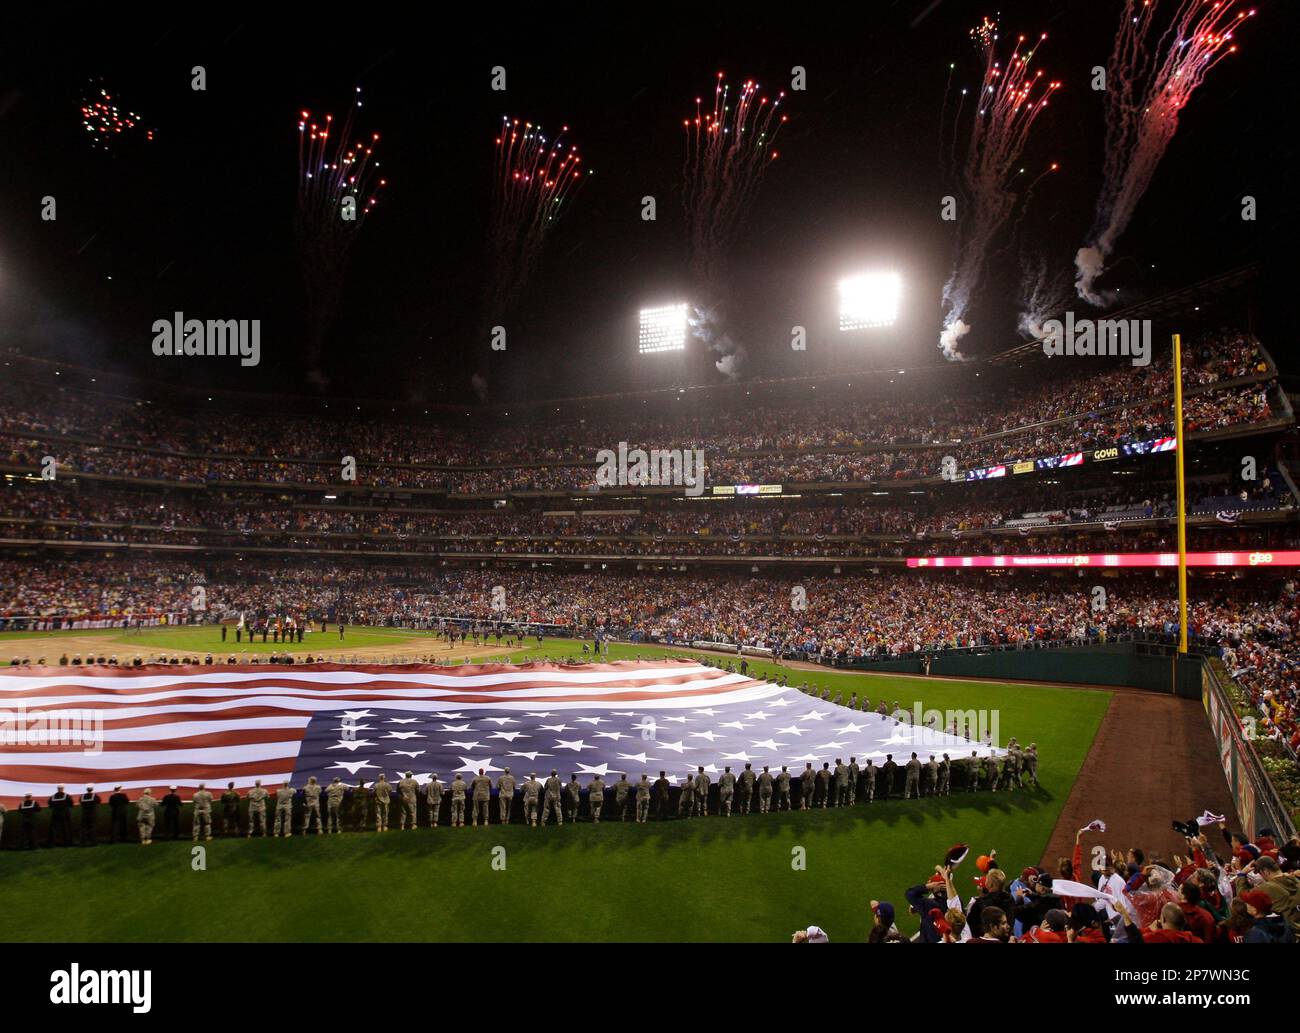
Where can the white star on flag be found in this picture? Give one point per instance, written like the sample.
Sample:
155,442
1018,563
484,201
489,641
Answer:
470,764
352,767
705,735
502,720
405,753
790,730
553,728
533,755
769,744
676,747
404,735
351,744
597,769
611,735
402,720
471,746
577,745
508,736
455,728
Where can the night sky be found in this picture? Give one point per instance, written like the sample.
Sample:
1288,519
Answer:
200,218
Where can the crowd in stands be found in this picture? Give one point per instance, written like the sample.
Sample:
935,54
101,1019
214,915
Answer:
844,617
814,526
803,442
1220,888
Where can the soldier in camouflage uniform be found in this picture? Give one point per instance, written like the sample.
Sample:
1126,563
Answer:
853,701
284,810
481,794
700,802
783,788
257,797
572,798
990,764
505,795
201,821
1015,760
824,782
622,788
551,799
333,801
972,772
360,802
841,783
945,776
869,781
807,786
311,797
643,799
661,797
458,788
230,811
912,783
854,774
930,777
532,791
383,793
433,799
764,790
747,780
687,797
1031,762
596,798
726,789
408,796
887,771
145,817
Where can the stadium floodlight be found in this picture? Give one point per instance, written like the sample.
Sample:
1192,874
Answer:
663,329
869,300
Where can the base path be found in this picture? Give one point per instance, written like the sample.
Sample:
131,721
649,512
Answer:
1154,761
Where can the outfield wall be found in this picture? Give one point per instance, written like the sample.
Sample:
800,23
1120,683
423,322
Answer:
1133,664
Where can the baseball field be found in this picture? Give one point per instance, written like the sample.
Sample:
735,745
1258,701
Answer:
744,878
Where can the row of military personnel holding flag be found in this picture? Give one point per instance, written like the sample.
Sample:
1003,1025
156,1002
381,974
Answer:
320,808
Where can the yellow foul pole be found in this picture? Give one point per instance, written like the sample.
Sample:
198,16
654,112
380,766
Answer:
1182,496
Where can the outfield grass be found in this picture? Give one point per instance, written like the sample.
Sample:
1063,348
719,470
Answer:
704,879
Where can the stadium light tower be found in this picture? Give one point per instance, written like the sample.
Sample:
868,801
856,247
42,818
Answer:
663,329
869,300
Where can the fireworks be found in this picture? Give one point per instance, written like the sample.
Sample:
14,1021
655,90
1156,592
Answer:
1148,83
728,146
534,180
105,124
338,186
1010,102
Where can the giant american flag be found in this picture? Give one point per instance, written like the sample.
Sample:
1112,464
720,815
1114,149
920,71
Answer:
182,725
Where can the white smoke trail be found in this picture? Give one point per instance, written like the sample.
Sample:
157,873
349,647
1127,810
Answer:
1147,86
